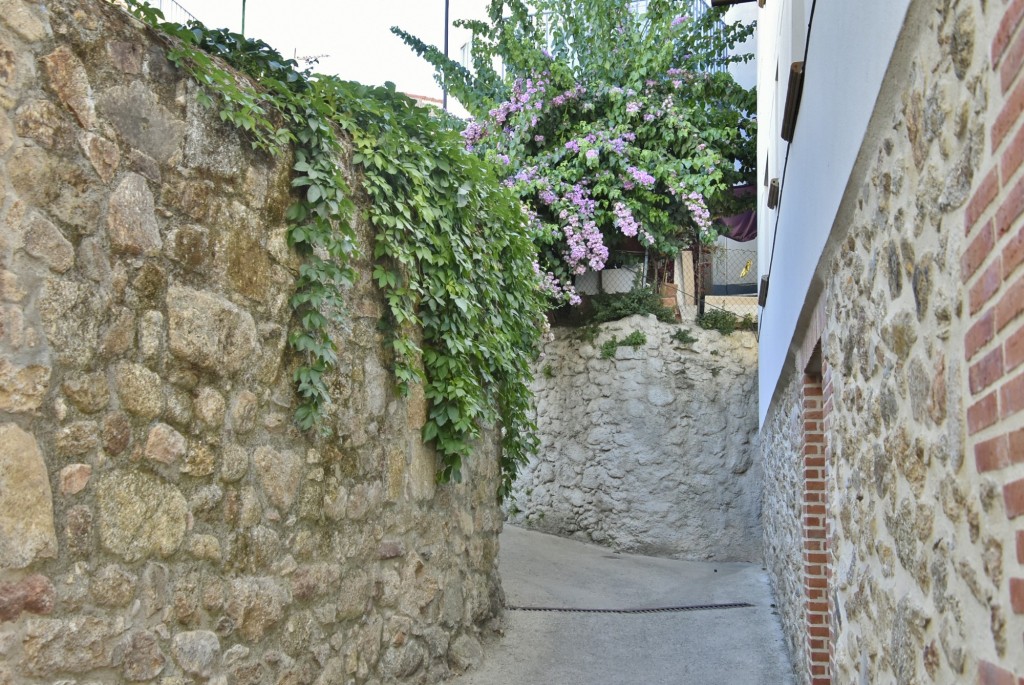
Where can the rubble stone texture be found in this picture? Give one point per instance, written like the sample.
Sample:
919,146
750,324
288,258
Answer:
161,517
654,451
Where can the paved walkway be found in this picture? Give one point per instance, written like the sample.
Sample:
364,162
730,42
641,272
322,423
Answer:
706,647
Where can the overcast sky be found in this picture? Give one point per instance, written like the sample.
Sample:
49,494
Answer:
354,33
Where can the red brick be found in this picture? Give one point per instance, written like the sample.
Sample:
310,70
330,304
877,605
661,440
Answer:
982,198
980,334
987,285
1011,207
1013,157
982,413
1014,349
986,371
1011,18
1011,305
1013,498
1011,396
1016,442
1009,115
990,674
992,454
1017,595
1013,58
1020,546
977,252
1013,253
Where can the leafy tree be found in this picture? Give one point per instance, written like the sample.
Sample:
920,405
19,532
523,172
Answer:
611,125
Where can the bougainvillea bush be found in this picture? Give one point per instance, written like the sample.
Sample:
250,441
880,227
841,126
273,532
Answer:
615,127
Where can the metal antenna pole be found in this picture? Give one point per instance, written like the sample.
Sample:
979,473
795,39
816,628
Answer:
444,88
243,17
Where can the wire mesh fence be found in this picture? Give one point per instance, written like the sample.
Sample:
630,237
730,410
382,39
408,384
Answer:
713,280
726,279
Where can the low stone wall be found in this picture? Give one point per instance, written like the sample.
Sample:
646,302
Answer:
160,515
652,451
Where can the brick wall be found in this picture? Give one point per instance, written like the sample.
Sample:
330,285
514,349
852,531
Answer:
993,273
817,565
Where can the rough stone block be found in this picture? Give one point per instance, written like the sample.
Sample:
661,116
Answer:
141,121
196,651
75,645
74,478
280,474
34,594
165,444
68,79
89,393
131,218
26,503
140,516
139,390
209,331
22,389
101,153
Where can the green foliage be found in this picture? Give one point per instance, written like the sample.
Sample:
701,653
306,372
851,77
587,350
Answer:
636,340
587,333
628,127
452,253
608,347
684,336
548,371
615,306
725,322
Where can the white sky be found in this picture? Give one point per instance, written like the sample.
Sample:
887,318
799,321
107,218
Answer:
355,33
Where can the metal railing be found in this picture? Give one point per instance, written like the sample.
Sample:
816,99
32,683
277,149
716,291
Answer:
174,11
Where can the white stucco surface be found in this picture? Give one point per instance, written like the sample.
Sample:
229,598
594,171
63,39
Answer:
847,56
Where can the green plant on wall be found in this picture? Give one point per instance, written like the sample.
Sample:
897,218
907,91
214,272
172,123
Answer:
451,248
636,340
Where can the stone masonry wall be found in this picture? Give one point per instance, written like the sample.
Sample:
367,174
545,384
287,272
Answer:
919,541
653,451
161,518
782,453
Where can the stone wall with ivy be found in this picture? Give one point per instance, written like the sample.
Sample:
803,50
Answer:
648,441
161,515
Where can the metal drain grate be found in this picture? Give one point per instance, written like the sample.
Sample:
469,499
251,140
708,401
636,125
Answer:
657,610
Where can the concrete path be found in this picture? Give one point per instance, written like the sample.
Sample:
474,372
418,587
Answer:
708,647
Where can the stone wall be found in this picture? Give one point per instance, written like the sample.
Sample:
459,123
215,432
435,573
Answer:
653,451
161,517
920,541
781,513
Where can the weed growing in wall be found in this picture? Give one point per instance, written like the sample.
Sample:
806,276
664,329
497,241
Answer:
451,249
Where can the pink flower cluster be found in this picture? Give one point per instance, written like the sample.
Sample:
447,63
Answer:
584,242
624,220
698,208
641,176
550,284
627,223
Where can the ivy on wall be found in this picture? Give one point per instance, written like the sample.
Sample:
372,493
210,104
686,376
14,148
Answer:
452,252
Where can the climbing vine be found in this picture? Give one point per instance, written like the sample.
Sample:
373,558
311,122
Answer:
452,251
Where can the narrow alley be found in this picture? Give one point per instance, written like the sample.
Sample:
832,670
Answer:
693,645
